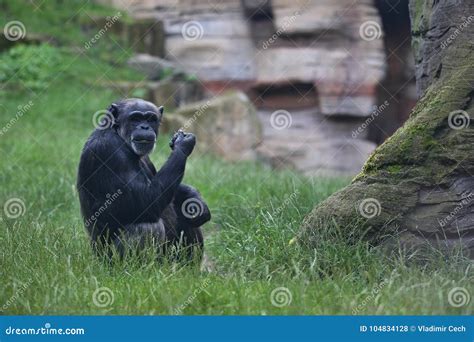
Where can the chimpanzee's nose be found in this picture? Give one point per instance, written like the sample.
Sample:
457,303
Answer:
145,127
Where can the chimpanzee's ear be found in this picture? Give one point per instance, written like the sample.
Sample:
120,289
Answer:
113,109
160,111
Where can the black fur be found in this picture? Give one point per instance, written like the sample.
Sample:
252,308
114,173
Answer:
124,200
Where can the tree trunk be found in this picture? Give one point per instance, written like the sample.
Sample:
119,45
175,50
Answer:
417,188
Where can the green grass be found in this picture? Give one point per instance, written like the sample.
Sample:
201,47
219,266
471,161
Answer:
47,266
56,19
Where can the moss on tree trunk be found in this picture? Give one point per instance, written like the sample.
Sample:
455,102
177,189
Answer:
418,187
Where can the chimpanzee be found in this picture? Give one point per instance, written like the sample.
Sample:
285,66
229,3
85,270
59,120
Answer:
125,202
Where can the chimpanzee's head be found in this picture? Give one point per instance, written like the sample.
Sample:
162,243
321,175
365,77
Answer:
137,122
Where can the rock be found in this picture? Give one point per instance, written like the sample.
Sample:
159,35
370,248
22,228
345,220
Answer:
344,64
209,39
153,67
256,8
214,59
348,89
172,94
214,47
309,142
147,36
419,182
168,93
322,60
225,125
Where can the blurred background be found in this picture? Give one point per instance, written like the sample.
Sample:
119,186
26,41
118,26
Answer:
313,86
329,80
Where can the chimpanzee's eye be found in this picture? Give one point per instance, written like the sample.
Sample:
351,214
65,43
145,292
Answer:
152,118
136,118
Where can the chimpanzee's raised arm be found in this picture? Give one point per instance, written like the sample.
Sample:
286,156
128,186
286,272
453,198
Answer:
169,177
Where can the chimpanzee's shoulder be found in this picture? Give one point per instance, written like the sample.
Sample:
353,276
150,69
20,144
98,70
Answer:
103,141
105,145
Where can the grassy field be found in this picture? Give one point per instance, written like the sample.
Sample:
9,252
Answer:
47,266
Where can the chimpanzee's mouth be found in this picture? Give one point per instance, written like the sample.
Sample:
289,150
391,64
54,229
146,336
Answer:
143,141
142,146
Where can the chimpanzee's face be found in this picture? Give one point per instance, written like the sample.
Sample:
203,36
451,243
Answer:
138,122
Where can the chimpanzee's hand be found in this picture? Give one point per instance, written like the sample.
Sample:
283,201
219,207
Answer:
178,135
184,141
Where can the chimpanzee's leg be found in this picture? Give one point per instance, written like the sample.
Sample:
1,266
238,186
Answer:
190,207
135,237
191,212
